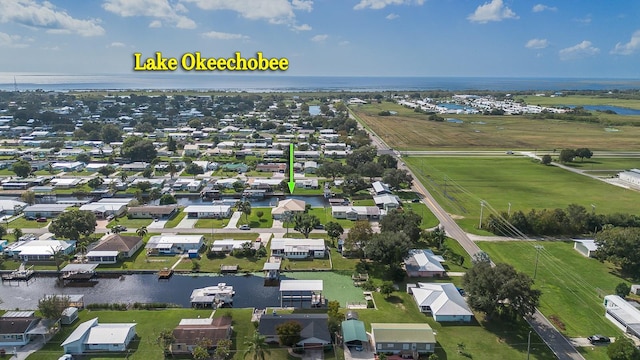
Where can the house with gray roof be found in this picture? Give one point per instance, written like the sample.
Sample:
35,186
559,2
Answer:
442,300
423,263
315,329
403,338
93,337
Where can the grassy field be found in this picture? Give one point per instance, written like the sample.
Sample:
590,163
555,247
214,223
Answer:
412,131
130,224
572,285
493,340
22,223
266,221
596,163
175,220
579,100
521,182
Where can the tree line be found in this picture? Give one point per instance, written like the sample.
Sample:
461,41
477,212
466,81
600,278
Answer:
572,221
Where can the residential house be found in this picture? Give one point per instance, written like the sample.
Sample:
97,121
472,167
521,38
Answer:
585,247
423,263
44,210
314,334
307,183
298,248
114,247
173,244
155,183
191,150
357,212
272,167
135,166
310,167
380,188
68,166
15,327
265,184
104,210
40,250
387,202
65,183
11,207
228,245
163,212
288,206
93,337
239,167
409,339
354,333
442,300
190,332
622,314
208,211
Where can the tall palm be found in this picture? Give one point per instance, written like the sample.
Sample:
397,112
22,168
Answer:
142,231
81,246
123,175
287,218
257,346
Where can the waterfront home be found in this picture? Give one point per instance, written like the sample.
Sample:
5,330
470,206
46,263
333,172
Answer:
228,245
288,206
44,210
156,183
307,183
265,184
90,336
357,212
423,263
104,210
40,250
227,183
310,167
314,334
410,339
11,207
298,248
386,202
173,244
208,211
114,247
153,212
190,332
442,300
15,327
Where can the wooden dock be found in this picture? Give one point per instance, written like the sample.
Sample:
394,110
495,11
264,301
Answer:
228,269
165,273
21,274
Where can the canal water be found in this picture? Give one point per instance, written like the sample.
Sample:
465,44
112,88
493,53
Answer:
250,290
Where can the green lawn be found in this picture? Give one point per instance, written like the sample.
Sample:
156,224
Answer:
22,223
336,286
598,163
251,264
572,286
266,221
428,219
176,219
482,340
211,223
521,182
325,216
130,224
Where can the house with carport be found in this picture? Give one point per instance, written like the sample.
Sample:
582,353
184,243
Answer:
190,332
298,248
315,329
293,206
45,210
442,300
424,263
15,328
162,212
90,336
404,339
173,244
114,247
208,211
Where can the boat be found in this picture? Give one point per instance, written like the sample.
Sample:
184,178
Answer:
21,273
213,296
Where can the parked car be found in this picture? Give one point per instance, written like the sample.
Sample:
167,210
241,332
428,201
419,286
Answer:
245,227
41,219
111,217
598,339
416,200
319,227
66,357
30,218
120,228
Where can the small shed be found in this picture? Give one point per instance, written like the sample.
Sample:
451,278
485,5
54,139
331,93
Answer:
353,333
69,315
351,315
585,247
193,254
635,289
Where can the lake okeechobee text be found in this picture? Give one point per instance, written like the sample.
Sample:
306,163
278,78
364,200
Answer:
197,62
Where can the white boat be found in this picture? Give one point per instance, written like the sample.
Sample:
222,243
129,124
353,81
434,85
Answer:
212,296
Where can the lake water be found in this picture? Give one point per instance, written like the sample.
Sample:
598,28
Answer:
250,291
618,110
314,110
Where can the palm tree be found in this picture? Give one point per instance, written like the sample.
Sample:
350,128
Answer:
81,246
142,231
123,175
287,218
17,233
171,168
257,346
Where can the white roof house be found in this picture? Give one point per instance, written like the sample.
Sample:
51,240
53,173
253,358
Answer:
386,201
173,244
41,249
227,245
288,205
298,248
442,300
423,263
585,247
208,211
622,314
380,188
10,206
91,336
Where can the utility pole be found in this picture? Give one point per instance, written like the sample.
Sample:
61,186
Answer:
481,208
529,345
509,210
535,270
445,185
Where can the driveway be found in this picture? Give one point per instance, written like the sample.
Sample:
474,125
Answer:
157,224
313,355
365,354
187,223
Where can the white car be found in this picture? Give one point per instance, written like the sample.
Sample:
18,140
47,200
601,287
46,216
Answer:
66,357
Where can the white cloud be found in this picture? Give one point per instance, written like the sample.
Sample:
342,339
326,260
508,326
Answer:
583,49
629,48
46,16
542,7
381,4
392,16
537,44
116,44
14,41
584,20
344,43
155,24
320,38
159,9
492,11
303,27
224,36
274,11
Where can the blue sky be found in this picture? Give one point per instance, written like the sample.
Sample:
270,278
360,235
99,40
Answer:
507,38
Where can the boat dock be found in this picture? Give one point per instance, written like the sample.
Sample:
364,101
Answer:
165,273
23,273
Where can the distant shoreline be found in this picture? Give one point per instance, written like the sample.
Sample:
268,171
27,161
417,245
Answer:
291,83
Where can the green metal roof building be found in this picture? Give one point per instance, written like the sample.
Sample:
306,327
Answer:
353,333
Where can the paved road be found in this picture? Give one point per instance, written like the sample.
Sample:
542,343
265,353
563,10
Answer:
559,344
